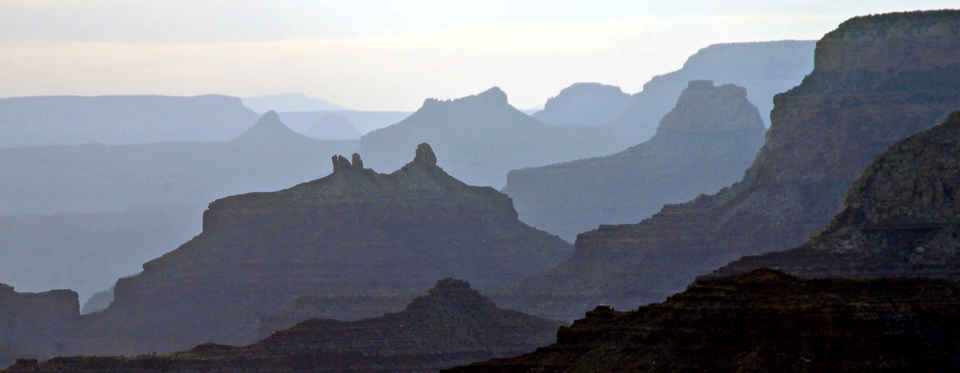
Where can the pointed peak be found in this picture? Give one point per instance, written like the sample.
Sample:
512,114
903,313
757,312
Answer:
495,94
425,155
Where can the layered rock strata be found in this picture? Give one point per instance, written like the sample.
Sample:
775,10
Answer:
763,321
901,218
361,241
877,80
705,143
453,324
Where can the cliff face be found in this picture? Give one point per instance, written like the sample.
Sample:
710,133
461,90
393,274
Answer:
824,132
901,217
705,143
763,68
31,324
764,321
362,242
453,324
584,104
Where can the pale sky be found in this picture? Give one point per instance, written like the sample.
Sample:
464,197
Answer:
368,54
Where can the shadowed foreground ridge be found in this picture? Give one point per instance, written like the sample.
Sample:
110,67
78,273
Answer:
763,321
453,324
354,244
876,81
902,218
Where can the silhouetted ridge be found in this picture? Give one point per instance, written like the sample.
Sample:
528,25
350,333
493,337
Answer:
762,321
703,144
270,130
452,324
867,92
350,245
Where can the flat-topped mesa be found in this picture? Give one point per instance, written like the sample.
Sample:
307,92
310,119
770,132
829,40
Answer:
354,244
824,132
901,218
703,108
703,144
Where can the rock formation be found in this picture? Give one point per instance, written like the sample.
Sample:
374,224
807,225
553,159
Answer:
485,137
584,104
878,80
763,321
80,217
363,242
451,325
31,324
71,120
763,68
705,143
901,218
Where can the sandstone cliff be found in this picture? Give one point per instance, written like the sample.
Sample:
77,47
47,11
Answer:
901,217
453,324
764,321
362,242
32,324
705,143
878,80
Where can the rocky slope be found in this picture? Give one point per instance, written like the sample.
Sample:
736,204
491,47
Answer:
763,68
70,120
31,324
584,104
878,80
484,137
359,240
453,324
703,144
901,217
764,321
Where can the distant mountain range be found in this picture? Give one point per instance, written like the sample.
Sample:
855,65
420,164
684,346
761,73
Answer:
584,104
288,102
74,120
703,144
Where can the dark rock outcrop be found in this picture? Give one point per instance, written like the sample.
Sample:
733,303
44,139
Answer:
71,120
901,218
362,242
584,104
824,132
32,324
451,325
705,143
764,321
485,137
763,68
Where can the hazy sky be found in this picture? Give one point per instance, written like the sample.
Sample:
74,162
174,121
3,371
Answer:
382,54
